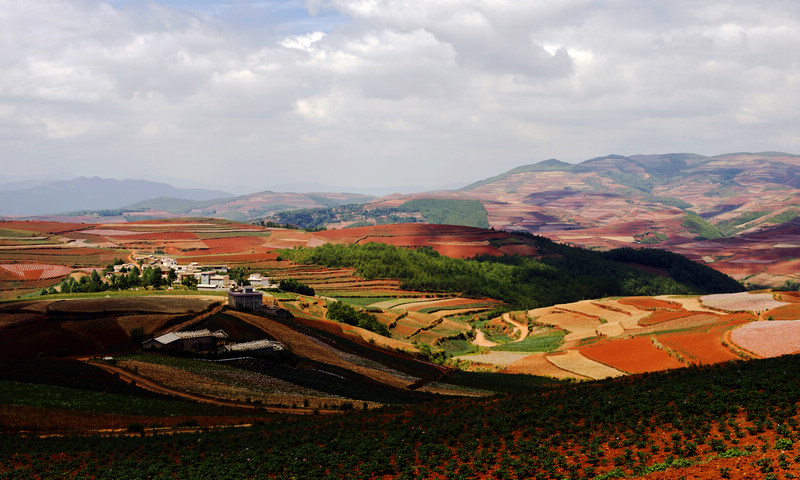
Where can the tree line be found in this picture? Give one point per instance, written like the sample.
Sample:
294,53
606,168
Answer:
563,274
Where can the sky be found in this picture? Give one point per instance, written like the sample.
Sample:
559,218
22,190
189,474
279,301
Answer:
369,95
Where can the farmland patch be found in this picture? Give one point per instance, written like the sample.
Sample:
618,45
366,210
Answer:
741,302
769,339
634,355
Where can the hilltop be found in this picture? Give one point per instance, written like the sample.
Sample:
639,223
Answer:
737,212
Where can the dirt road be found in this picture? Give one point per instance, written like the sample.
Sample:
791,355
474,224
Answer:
523,329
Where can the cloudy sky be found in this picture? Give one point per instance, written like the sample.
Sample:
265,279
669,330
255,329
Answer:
254,95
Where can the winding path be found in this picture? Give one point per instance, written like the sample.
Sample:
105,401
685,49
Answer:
523,329
481,341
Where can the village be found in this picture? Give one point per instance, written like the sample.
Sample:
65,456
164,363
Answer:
205,277
210,278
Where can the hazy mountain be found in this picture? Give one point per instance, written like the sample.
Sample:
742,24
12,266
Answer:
93,193
242,208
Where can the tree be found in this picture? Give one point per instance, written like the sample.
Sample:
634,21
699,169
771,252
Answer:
292,285
133,277
190,282
152,276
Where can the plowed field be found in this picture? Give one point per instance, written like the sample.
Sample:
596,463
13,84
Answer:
769,339
786,312
741,302
573,361
36,271
649,303
661,316
700,347
537,364
634,355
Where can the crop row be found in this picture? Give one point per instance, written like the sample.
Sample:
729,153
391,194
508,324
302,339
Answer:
623,427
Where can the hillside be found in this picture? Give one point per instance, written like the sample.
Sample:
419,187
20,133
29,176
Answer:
678,202
736,420
418,399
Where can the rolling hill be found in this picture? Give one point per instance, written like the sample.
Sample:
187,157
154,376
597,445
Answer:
93,193
736,212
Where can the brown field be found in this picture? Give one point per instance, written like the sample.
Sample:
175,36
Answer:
36,271
701,347
155,304
648,303
579,325
537,364
661,316
44,227
634,355
786,312
573,361
790,297
694,321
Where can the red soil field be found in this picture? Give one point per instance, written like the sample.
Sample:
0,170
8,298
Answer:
634,355
702,347
80,256
465,251
45,227
238,258
647,303
157,235
324,325
786,312
36,271
789,297
234,243
449,240
789,267
529,250
661,316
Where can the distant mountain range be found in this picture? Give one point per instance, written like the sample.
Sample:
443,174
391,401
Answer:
93,193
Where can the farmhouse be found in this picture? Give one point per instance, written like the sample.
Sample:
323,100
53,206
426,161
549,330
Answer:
194,341
256,279
245,299
214,281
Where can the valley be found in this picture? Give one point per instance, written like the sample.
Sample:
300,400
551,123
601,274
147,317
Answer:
472,320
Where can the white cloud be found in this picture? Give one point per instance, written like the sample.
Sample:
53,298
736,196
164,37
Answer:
408,91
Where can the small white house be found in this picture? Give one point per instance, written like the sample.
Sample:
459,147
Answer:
257,280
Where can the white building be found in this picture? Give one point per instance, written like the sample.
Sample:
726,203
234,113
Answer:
195,341
256,346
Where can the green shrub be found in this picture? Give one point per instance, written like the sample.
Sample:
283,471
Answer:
783,444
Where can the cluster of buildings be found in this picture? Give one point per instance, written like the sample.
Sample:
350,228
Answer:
209,277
